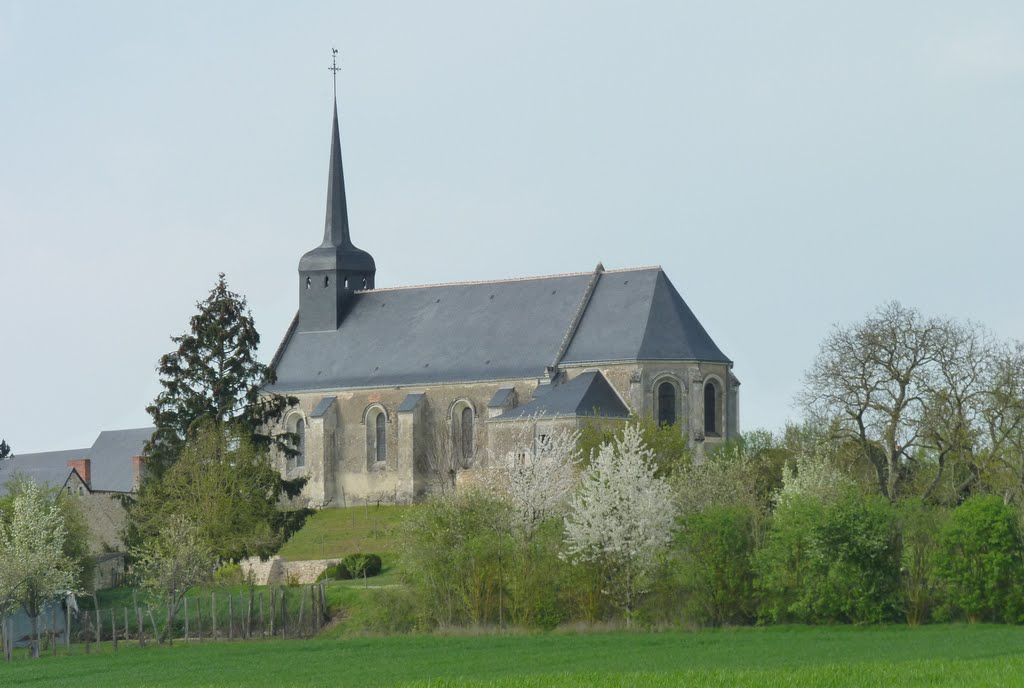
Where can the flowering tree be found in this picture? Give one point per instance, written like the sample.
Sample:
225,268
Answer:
538,482
33,566
621,517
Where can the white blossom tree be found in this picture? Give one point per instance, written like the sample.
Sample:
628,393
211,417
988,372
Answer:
34,569
621,518
539,480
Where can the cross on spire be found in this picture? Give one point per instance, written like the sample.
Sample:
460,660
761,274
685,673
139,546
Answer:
335,68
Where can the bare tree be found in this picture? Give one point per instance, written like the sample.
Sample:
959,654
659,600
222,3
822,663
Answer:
440,455
874,377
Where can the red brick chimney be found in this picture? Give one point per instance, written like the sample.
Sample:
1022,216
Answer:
138,472
83,466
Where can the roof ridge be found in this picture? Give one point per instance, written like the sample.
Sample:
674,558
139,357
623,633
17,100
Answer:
502,281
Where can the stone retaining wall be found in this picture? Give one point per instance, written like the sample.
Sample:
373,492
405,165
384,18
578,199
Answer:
276,570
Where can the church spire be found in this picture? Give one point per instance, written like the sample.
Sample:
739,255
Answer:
336,222
331,273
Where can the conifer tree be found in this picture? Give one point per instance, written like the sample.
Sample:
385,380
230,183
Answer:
5,450
214,374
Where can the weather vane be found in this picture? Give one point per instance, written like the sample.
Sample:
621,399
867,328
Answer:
335,68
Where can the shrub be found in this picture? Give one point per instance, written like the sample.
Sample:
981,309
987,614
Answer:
714,569
229,574
980,562
919,526
359,566
830,561
353,566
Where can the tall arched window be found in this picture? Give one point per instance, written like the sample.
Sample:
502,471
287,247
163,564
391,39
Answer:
466,436
666,404
711,408
300,443
380,443
376,419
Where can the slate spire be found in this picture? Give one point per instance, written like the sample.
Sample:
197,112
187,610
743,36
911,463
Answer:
336,222
331,273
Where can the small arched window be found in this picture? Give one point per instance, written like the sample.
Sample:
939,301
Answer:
327,281
711,424
381,438
666,404
466,436
364,283
309,282
300,443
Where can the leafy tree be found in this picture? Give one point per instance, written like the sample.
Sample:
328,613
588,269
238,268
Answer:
5,450
830,558
173,561
225,484
920,525
621,518
33,566
981,561
713,564
213,374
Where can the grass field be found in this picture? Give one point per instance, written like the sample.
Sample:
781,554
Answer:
334,533
762,657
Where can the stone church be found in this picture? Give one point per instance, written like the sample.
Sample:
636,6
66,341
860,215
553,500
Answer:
405,390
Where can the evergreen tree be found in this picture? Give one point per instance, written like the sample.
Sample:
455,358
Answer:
213,374
5,450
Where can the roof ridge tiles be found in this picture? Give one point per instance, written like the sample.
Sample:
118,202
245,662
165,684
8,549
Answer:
503,281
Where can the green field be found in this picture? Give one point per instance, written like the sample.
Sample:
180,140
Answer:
780,656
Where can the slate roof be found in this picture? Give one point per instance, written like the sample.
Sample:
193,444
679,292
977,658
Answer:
509,329
587,394
110,461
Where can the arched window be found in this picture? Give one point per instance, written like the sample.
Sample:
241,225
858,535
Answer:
666,404
380,438
466,436
376,418
300,443
711,424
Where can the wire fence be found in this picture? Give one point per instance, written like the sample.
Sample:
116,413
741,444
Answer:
277,612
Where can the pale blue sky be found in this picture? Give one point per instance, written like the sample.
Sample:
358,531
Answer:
789,164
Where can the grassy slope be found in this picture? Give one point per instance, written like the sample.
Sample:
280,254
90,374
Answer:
780,656
333,533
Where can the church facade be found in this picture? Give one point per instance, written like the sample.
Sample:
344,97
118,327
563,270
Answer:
404,391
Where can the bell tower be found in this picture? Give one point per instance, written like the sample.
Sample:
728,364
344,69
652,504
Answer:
331,272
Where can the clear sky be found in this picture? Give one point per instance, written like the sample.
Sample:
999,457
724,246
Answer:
790,164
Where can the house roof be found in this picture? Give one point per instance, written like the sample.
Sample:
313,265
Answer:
110,458
508,329
587,394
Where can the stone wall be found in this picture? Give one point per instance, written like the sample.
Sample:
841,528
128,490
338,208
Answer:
339,443
278,571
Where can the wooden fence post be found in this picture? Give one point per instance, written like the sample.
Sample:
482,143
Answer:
273,610
85,631
113,628
199,616
263,628
138,627
284,613
213,613
231,619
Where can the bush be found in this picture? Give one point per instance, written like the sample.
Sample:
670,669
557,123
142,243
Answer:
359,566
919,525
830,562
714,569
980,562
229,574
353,566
